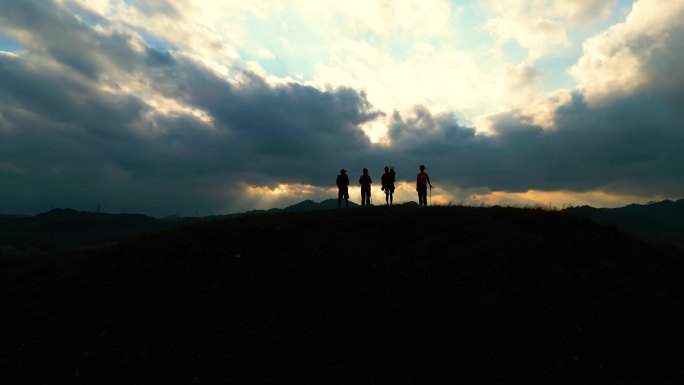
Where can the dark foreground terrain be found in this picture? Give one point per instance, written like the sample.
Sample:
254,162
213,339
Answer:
364,296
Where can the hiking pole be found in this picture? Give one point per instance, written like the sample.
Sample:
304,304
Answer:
430,195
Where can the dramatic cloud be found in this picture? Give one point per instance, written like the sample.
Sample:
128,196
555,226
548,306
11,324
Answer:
75,132
635,144
642,52
94,111
539,25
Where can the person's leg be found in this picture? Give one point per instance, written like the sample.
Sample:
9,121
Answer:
391,197
339,199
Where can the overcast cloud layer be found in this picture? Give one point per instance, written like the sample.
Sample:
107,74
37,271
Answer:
92,113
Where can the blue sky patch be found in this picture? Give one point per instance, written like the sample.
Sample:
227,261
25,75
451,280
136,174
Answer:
8,44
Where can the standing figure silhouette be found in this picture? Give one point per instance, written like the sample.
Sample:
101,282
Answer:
422,182
388,179
343,189
365,182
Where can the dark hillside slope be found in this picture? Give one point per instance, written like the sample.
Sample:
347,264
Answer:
367,296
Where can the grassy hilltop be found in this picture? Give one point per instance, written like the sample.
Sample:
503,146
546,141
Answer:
379,295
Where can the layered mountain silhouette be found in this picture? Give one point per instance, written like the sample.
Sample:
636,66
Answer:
22,237
384,295
67,229
662,222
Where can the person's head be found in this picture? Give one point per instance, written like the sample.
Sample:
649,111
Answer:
343,171
365,171
386,168
422,168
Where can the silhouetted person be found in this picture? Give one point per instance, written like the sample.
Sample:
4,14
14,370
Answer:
343,189
365,182
388,179
422,182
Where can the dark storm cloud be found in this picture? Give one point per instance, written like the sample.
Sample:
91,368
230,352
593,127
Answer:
634,145
49,30
65,141
74,142
65,149
270,130
71,136
629,143
52,30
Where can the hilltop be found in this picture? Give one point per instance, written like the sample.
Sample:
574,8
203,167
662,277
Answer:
380,295
23,238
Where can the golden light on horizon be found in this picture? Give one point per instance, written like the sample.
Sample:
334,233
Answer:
284,194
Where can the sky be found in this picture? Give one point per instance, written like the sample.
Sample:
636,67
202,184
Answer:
211,107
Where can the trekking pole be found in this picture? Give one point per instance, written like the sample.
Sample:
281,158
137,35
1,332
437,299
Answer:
430,195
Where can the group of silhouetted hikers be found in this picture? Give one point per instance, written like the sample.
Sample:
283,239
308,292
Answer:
387,180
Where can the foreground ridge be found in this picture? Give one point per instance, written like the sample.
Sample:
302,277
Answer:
383,295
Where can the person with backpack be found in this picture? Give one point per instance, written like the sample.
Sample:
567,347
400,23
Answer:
365,182
343,189
387,180
422,182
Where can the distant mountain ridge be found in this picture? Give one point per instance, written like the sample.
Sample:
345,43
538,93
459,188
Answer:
656,221
65,229
303,206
